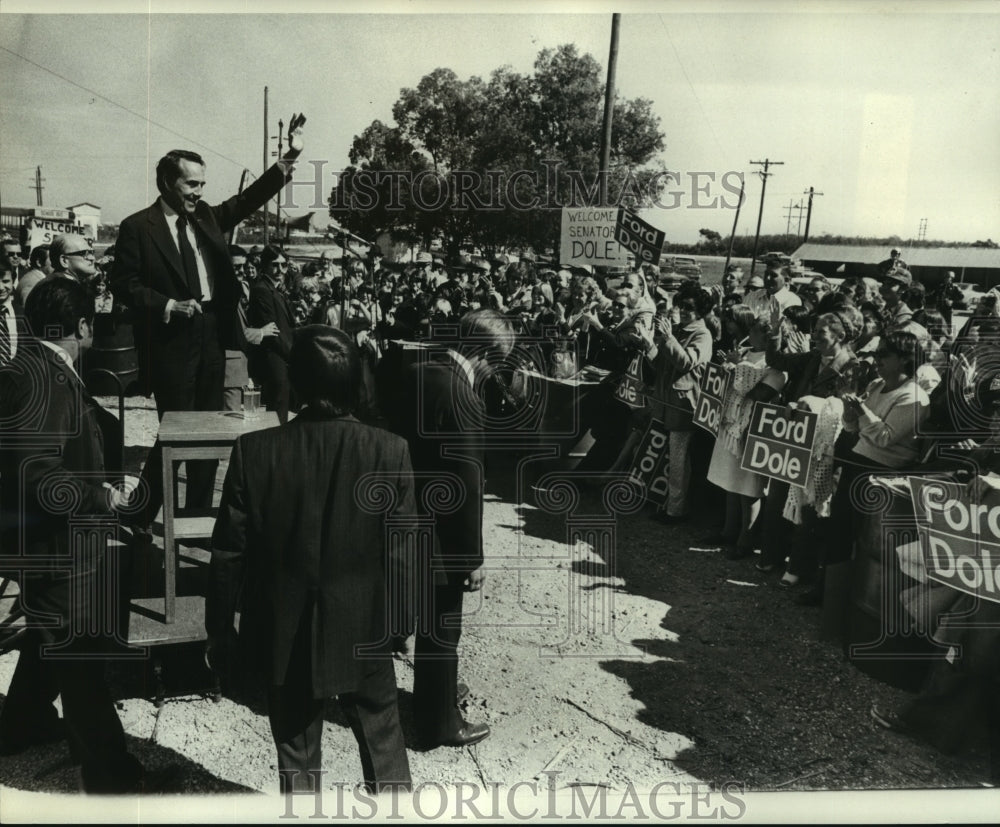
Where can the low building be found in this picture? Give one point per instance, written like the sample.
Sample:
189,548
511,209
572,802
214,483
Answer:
977,265
89,215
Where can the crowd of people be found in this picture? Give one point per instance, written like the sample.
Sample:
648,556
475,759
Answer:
878,360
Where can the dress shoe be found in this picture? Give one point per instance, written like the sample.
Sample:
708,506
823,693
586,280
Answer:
891,722
462,693
788,580
812,597
716,540
466,736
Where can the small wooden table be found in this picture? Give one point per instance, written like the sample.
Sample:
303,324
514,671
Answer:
187,435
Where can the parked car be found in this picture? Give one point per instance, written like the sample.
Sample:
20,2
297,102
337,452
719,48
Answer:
779,259
971,293
685,267
672,281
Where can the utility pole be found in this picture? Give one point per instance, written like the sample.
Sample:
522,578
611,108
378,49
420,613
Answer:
922,231
788,218
266,203
809,211
799,207
609,111
277,208
767,163
736,218
37,186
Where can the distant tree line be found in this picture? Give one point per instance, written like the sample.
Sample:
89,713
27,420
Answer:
713,243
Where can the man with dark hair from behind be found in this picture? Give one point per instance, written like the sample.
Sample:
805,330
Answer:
442,416
303,532
38,259
56,438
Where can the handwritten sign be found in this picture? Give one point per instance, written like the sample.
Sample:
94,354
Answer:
649,468
780,443
43,230
642,239
714,386
959,538
588,237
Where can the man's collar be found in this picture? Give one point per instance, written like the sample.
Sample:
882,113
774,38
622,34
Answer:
168,211
62,355
466,367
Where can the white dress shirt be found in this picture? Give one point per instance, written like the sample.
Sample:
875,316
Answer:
203,277
11,326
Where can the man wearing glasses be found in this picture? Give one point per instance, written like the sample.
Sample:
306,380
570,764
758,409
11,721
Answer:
72,258
173,268
269,308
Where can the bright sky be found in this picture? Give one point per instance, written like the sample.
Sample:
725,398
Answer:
893,115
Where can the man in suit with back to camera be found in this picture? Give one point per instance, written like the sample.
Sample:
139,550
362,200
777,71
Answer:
308,548
57,460
173,268
443,421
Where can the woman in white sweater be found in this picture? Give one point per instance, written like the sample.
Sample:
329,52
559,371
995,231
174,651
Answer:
887,419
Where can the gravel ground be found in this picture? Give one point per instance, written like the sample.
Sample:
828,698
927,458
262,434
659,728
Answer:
603,651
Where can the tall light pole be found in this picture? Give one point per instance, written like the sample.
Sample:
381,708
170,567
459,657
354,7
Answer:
266,139
609,111
736,218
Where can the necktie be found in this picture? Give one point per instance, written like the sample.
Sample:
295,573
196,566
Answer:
188,258
4,336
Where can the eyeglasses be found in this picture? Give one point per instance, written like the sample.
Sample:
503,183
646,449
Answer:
85,253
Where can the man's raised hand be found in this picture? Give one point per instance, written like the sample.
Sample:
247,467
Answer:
295,142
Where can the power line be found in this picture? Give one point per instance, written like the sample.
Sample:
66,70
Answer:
119,105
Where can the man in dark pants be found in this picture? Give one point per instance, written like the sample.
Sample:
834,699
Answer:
304,534
56,439
268,306
443,424
173,268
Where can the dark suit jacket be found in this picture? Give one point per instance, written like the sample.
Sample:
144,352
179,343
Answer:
268,304
442,418
296,526
148,271
52,467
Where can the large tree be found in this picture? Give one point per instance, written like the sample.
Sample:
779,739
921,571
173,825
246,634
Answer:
507,153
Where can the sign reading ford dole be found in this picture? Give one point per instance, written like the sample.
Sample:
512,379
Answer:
714,385
959,538
780,442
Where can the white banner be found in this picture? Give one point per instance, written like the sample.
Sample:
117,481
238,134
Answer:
43,230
